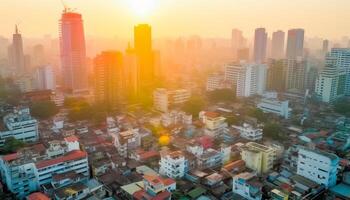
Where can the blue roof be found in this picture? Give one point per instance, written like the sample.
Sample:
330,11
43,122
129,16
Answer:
341,190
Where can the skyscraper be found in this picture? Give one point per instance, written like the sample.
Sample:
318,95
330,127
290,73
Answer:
108,77
45,78
236,42
145,56
295,44
277,47
260,43
16,55
73,53
276,75
295,74
251,80
325,46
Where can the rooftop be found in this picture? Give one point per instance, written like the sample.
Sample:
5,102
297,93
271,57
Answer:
73,155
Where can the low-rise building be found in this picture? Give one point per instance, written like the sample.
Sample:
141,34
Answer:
249,132
176,117
126,141
319,166
28,169
20,125
275,106
258,157
163,99
214,123
246,186
173,165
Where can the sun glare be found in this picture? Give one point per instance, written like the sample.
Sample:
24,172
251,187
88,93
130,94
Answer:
142,8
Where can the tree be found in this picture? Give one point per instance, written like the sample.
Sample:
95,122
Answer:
44,109
222,95
232,120
258,114
194,105
272,130
12,145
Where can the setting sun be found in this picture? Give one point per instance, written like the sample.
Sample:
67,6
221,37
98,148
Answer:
142,8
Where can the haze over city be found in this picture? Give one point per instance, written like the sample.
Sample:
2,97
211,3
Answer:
174,100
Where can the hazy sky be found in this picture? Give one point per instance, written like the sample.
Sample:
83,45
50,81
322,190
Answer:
108,18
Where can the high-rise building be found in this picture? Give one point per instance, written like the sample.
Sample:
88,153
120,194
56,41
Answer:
243,54
236,42
330,84
295,44
130,69
295,74
277,46
276,75
145,56
260,45
16,55
251,80
73,52
342,56
325,46
45,78
108,78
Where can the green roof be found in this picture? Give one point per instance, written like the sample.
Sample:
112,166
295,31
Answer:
195,193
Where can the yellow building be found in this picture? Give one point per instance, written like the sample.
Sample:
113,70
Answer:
278,195
258,157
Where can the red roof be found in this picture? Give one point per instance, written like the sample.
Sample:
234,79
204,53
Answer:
212,114
158,179
73,155
38,196
236,165
71,139
143,195
10,157
148,155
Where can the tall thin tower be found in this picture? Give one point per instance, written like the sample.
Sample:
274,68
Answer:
16,53
260,45
73,52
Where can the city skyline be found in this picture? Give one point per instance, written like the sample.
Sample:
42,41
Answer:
167,23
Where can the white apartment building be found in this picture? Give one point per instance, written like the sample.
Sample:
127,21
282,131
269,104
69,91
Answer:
163,99
45,78
251,80
249,132
176,117
242,185
331,82
217,82
214,123
321,167
27,170
342,57
269,105
20,125
173,165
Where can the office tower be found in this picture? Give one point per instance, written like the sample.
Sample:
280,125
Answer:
277,46
38,56
295,44
325,46
251,80
45,78
145,56
260,45
16,55
330,84
131,77
73,53
236,42
342,56
318,166
311,76
276,75
108,78
295,75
